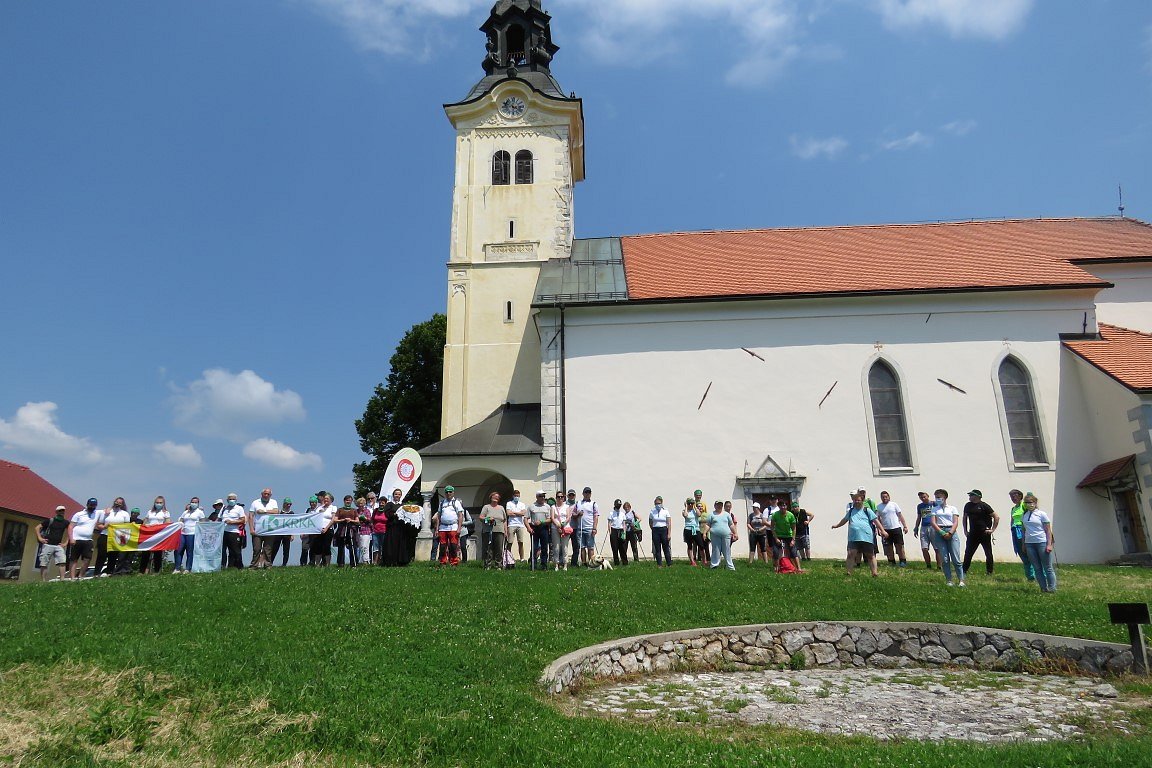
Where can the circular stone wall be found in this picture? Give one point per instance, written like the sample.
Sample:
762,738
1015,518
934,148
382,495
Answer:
833,645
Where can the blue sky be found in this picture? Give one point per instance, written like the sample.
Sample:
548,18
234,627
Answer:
217,217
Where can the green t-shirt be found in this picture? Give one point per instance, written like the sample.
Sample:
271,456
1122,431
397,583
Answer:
783,524
1018,515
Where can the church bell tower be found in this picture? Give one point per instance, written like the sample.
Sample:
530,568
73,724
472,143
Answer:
519,154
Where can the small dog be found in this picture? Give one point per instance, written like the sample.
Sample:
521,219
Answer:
600,564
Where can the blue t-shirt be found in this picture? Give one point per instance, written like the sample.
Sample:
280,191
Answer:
692,522
721,523
860,524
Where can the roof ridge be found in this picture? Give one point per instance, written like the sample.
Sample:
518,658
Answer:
890,225
1114,327
14,464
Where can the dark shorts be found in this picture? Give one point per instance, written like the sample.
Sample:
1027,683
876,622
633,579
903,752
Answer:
82,550
690,536
895,536
758,542
863,547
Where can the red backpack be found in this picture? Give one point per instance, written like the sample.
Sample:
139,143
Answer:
785,565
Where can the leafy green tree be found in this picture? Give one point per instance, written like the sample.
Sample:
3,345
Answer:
405,410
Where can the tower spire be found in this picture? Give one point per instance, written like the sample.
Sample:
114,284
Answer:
519,44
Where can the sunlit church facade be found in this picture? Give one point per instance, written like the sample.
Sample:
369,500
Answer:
798,363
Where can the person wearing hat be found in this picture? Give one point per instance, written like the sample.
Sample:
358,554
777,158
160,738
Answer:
589,517
540,514
51,535
81,529
980,522
306,539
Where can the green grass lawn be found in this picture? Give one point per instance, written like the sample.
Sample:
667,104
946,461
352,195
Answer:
423,666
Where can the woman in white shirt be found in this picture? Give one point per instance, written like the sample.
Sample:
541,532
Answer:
1038,541
189,518
945,527
660,521
158,515
617,534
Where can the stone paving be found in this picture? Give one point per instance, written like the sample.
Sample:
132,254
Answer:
930,704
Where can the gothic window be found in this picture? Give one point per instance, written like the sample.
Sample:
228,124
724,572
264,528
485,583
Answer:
1020,413
501,168
892,447
523,167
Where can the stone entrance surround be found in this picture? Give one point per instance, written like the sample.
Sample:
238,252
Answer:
834,645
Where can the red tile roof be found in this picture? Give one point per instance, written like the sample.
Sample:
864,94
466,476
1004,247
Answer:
980,255
1123,354
24,491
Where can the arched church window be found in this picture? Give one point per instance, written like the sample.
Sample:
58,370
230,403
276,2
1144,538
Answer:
892,447
523,167
501,168
1020,413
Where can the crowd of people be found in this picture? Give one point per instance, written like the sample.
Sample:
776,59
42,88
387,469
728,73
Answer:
551,534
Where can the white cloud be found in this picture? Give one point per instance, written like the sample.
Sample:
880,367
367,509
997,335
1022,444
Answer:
281,456
959,127
179,455
390,26
808,148
911,141
221,403
34,429
985,19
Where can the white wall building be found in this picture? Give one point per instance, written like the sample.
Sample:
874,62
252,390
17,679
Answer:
790,362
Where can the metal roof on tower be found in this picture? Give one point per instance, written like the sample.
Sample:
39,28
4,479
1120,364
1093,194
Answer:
519,46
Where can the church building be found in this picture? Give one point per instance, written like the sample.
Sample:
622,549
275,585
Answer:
779,363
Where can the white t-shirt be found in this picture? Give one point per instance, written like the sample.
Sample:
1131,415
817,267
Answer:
945,516
659,517
449,518
260,508
327,512
157,517
188,519
117,516
233,518
518,508
589,514
616,519
889,515
563,515
84,525
1034,526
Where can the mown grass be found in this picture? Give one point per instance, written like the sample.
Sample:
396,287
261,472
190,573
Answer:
433,667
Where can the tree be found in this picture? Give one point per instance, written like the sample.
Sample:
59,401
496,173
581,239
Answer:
405,410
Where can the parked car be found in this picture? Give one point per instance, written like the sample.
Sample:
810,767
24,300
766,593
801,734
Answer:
10,569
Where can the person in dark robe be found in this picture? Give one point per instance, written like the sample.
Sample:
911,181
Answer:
393,534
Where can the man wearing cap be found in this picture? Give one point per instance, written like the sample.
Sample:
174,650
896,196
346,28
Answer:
305,539
51,535
980,522
589,517
446,524
81,529
265,505
448,502
540,525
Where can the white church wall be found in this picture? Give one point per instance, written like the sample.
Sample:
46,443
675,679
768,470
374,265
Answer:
1094,429
1129,303
635,378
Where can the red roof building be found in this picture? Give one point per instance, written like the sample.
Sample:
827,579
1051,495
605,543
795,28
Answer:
26,500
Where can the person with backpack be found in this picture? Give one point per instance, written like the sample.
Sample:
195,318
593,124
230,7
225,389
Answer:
494,517
634,534
784,526
863,527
